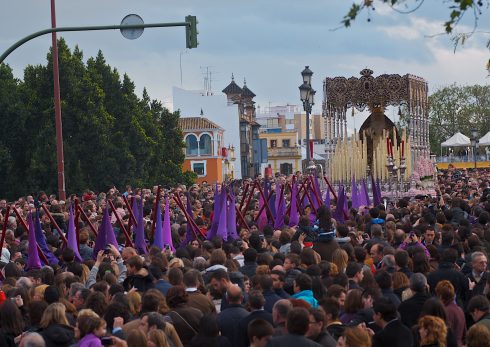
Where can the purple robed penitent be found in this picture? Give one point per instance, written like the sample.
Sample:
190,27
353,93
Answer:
222,228
167,232
71,236
364,194
281,209
214,224
293,214
33,261
339,210
41,241
105,234
139,228
158,239
231,218
354,194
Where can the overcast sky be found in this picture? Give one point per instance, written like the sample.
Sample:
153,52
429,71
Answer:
268,42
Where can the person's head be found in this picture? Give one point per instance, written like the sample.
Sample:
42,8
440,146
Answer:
259,332
32,339
220,280
191,278
89,322
298,321
11,318
353,301
80,297
277,279
280,311
291,261
234,295
384,311
136,338
479,262
36,311
54,314
478,336
478,307
176,296
376,252
152,321
383,279
317,323
445,291
302,282
354,271
256,300
157,338
354,337
429,235
96,301
432,330
418,283
401,258
134,264
338,293
332,309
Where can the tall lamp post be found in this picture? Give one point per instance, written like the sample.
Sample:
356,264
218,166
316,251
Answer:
307,96
474,143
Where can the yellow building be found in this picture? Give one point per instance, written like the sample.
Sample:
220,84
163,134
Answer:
283,152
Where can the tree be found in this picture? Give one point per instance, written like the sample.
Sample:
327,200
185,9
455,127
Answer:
110,135
458,108
457,10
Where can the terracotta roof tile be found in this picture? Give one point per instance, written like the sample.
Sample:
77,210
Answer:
197,123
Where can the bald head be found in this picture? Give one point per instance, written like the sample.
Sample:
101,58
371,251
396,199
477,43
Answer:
280,310
234,294
32,340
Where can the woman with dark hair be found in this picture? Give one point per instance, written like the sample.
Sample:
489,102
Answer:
326,243
420,263
209,335
353,304
12,323
185,318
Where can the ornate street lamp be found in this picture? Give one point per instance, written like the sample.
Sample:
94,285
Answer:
307,96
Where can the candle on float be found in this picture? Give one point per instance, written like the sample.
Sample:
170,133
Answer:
403,148
388,145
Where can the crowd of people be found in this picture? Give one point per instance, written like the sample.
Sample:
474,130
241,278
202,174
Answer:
409,272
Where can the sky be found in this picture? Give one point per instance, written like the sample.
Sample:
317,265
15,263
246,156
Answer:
266,42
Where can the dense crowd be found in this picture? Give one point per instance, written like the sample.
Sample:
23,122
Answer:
410,272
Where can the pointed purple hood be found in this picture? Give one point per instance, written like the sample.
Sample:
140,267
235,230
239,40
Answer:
105,234
71,237
293,214
33,261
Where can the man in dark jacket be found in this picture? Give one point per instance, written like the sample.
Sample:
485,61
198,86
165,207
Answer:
410,309
317,330
447,271
297,325
229,318
137,276
393,332
265,283
478,276
256,302
250,262
278,283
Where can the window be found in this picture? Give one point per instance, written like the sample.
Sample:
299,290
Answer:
205,147
286,143
273,143
199,167
191,146
286,168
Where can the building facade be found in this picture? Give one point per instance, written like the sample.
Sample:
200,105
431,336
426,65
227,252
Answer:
205,153
250,154
283,151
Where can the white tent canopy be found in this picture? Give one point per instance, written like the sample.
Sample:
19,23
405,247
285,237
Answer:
457,140
485,140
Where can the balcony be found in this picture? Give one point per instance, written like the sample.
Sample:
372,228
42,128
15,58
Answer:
284,152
